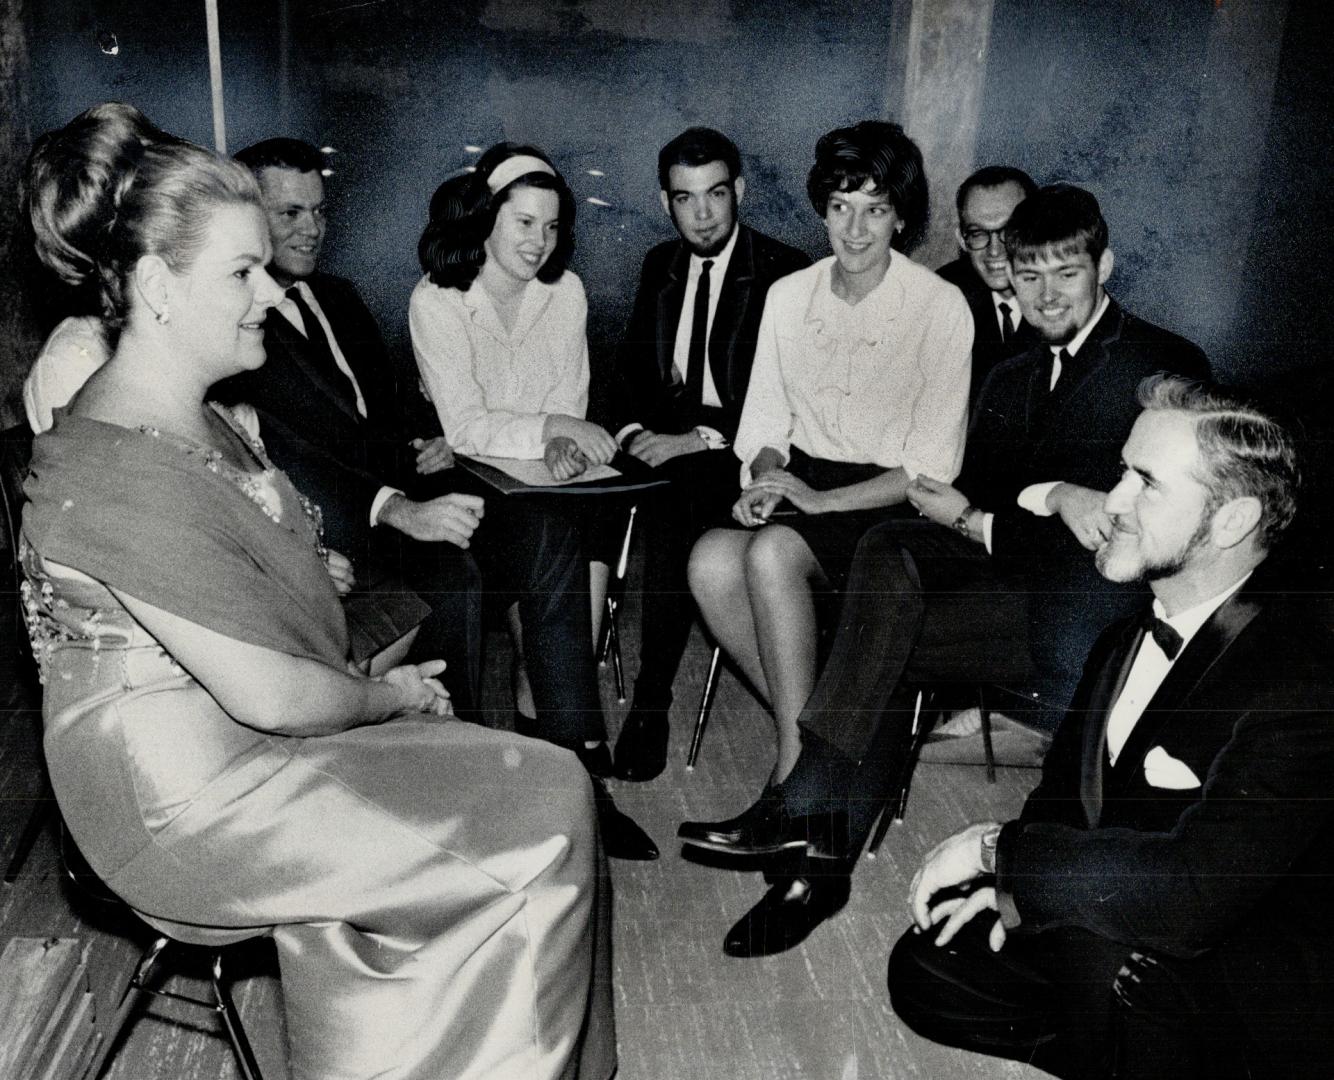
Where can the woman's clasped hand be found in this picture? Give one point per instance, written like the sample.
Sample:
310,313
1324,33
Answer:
420,686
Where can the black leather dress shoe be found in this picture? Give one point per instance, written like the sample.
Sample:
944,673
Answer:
621,837
641,748
786,914
766,829
726,834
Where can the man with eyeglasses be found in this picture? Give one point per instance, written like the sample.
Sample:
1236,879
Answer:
985,202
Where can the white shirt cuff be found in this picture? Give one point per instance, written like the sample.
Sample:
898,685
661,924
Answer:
381,497
1034,498
626,432
987,520
713,438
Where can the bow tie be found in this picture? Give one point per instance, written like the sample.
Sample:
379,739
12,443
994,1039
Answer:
1168,639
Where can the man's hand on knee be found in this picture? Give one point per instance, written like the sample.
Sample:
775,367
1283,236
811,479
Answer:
955,863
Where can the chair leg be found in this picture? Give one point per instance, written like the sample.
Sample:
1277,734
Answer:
37,819
604,646
899,796
705,704
231,1019
988,750
614,648
129,1000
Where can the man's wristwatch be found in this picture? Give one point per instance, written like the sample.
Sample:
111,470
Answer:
961,522
990,839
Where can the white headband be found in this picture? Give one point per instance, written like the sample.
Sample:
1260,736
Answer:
511,169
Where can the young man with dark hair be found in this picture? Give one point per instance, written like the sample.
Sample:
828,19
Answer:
992,584
984,203
682,372
1160,904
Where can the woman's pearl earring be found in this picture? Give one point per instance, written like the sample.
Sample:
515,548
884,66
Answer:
163,316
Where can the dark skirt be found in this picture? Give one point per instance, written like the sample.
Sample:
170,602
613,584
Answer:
833,537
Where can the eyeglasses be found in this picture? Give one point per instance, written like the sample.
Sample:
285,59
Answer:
977,239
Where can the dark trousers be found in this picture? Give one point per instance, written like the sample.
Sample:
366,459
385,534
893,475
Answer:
702,489
530,550
448,580
922,606
1080,1006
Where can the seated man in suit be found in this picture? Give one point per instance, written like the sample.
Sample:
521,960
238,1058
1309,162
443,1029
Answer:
329,412
991,584
682,373
985,202
332,417
1162,902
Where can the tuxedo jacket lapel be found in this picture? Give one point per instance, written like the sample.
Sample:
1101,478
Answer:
1111,681
1205,649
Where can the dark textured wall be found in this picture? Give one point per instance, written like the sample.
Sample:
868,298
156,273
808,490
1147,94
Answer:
1202,125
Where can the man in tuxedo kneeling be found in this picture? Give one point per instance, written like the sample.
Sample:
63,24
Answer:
1160,907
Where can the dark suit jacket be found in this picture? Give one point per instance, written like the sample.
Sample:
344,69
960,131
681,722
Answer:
644,391
988,347
310,424
1241,865
1024,434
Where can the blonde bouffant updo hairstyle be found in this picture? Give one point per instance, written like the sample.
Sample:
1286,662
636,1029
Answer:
109,188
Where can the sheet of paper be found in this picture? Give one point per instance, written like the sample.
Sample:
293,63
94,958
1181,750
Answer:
536,473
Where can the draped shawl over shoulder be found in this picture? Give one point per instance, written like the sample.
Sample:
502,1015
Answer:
148,517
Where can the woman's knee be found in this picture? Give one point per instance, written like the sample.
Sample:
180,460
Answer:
778,557
716,562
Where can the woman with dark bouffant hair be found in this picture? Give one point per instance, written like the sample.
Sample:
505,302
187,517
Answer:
860,384
431,885
498,328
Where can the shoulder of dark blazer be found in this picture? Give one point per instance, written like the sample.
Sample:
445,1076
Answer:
960,273
1143,347
772,259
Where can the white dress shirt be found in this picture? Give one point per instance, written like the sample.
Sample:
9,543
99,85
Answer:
1151,665
882,381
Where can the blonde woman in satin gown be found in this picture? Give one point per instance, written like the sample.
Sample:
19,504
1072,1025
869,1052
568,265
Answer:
432,886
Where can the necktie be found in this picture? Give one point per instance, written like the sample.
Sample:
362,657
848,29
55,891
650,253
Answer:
1007,329
1060,365
1168,639
699,336
319,346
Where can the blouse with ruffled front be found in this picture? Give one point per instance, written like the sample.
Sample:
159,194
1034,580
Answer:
883,381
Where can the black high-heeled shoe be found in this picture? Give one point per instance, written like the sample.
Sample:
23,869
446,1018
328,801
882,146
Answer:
622,838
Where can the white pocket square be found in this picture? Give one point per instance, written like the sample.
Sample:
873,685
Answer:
1162,770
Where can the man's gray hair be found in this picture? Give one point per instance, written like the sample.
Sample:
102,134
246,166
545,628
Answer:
1245,451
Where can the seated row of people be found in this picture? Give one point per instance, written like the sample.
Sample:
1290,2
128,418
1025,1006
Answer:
824,407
